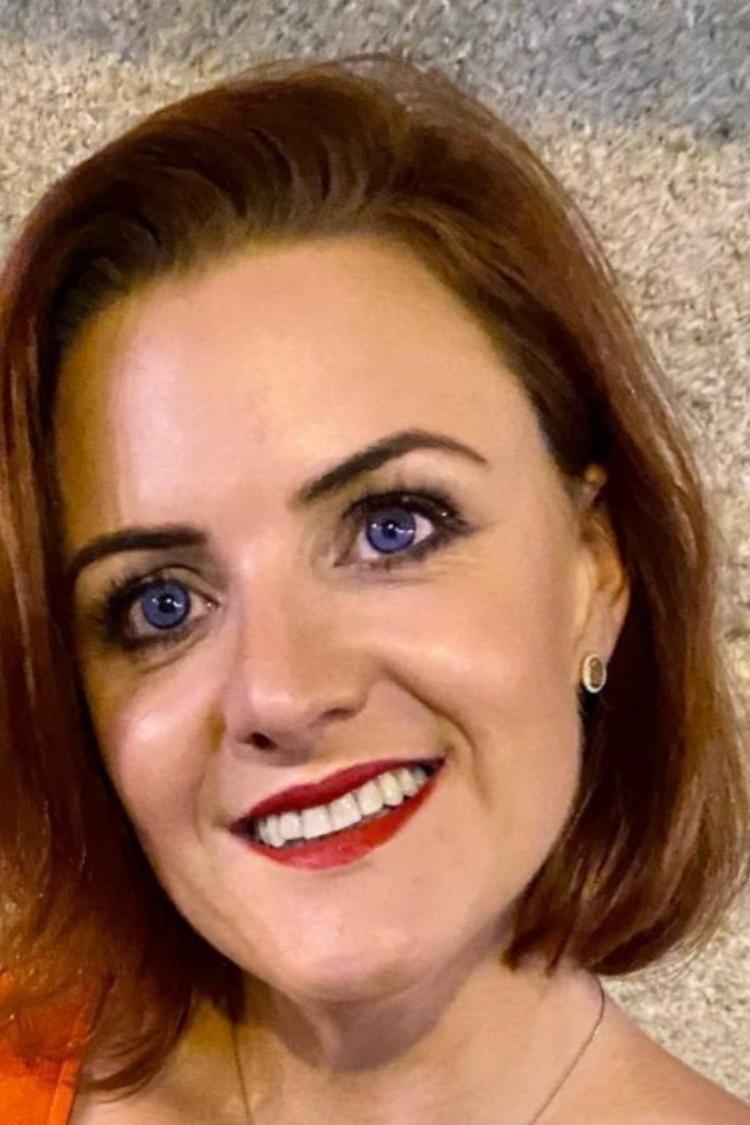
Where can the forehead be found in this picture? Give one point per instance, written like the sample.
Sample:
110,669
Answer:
286,359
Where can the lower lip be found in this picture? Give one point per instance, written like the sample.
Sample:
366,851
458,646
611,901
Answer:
349,845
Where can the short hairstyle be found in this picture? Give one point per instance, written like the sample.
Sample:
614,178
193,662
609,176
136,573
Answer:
656,846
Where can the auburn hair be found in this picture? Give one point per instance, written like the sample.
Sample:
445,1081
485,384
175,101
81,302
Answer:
658,842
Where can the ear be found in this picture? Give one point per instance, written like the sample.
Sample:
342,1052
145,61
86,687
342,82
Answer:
605,587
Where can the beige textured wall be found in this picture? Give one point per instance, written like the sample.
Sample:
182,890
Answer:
643,109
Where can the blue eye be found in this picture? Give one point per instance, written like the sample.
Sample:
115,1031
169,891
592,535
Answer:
404,527
393,529
146,613
165,604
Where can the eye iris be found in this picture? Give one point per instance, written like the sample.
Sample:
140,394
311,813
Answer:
391,530
166,605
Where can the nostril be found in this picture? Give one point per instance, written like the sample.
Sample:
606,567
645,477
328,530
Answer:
261,741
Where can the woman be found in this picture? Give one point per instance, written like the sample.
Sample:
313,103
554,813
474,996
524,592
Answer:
361,695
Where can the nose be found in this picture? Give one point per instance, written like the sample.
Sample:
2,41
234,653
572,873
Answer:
295,668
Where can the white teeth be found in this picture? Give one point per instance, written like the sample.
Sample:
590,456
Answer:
389,790
273,833
406,780
344,812
315,822
290,825
369,798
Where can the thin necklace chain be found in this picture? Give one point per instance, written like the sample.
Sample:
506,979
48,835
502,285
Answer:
548,1102
241,1076
579,1055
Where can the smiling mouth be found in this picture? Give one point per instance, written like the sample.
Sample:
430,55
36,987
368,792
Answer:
290,845
375,800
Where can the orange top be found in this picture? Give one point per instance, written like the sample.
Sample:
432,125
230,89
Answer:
41,1092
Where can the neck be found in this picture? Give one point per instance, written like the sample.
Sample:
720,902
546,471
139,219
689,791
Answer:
492,1041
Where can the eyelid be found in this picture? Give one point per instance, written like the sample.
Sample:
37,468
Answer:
430,500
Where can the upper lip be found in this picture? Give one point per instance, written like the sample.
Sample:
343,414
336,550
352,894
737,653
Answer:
300,797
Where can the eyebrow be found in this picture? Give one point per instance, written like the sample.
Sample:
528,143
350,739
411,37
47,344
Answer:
333,480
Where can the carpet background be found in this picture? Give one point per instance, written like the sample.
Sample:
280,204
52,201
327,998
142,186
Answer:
642,108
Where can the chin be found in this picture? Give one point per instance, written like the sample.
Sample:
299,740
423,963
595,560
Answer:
349,972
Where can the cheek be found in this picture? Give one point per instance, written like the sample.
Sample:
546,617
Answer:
506,636
497,662
153,743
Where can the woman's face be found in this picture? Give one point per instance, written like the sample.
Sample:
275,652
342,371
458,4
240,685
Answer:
281,632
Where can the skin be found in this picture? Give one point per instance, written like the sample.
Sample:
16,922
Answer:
376,991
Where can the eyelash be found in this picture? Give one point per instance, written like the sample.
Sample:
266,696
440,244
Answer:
122,593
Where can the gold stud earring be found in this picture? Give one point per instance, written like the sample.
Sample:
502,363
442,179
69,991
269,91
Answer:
593,673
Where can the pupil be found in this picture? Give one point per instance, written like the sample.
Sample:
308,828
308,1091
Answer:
392,530
166,605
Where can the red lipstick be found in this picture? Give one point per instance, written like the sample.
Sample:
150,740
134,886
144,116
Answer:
347,845
300,797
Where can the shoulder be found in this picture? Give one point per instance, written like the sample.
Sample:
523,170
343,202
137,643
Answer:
635,1081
